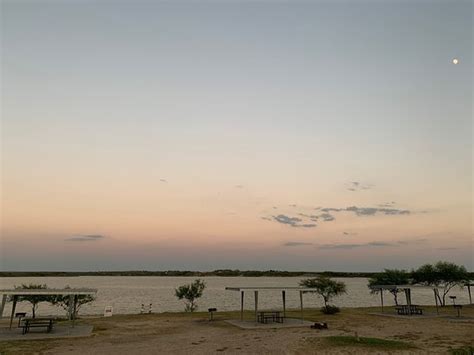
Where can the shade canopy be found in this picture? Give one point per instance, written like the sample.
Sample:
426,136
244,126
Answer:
73,294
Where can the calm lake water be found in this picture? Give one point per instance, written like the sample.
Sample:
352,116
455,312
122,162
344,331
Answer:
127,293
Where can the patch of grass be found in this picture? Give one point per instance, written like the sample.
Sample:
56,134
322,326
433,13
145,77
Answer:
368,342
466,350
24,347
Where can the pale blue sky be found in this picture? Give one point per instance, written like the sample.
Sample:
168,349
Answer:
104,101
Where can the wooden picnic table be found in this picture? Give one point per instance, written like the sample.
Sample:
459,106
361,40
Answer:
409,310
28,323
274,316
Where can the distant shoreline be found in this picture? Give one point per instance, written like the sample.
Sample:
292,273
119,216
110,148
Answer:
175,273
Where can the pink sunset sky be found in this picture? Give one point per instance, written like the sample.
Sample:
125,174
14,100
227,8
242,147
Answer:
255,135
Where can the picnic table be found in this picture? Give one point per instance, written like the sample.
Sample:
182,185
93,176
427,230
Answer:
408,310
28,323
274,316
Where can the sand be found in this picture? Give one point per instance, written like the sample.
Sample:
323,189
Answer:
183,334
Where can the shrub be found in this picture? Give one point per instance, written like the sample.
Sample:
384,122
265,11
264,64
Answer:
329,309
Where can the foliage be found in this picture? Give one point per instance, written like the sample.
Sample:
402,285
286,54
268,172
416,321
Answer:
173,273
375,343
390,277
443,274
466,350
191,293
325,287
35,300
329,309
63,302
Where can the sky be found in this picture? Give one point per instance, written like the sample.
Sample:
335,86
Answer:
290,135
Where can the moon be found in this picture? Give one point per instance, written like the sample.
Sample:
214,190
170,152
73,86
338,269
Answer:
455,61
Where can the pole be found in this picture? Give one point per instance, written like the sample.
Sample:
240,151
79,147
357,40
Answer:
15,299
241,305
256,305
301,306
2,306
381,298
283,295
469,290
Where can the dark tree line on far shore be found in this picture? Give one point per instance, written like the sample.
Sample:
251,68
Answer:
175,273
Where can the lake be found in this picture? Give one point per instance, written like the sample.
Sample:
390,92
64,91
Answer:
127,293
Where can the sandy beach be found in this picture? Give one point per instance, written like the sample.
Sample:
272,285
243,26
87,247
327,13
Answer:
180,333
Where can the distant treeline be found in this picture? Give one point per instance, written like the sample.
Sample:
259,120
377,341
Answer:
248,273
226,272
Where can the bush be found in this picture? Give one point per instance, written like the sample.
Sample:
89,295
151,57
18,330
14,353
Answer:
191,293
330,309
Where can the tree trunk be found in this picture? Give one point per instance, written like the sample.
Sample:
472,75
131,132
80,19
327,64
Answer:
395,297
325,303
33,310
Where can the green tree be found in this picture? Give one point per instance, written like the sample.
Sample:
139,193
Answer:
190,293
63,302
325,287
443,275
389,277
35,300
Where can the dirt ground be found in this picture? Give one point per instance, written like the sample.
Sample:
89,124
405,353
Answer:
182,334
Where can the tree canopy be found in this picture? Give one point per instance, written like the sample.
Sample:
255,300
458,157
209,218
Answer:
63,302
444,275
325,287
390,277
34,300
190,293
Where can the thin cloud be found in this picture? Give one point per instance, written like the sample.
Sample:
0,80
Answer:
292,221
326,217
413,241
354,246
370,211
239,186
296,244
164,181
367,211
387,204
307,225
311,217
358,186
85,238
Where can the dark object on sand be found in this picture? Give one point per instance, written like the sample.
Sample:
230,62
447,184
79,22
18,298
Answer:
211,313
320,325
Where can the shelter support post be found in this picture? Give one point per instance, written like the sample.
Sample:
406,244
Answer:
256,305
2,306
381,298
15,300
301,306
408,298
283,296
241,305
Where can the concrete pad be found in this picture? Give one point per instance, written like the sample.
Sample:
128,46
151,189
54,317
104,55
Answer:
59,331
288,323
